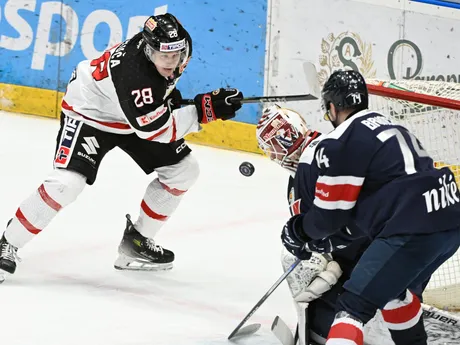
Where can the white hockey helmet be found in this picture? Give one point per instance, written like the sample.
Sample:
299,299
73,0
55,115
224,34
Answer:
280,134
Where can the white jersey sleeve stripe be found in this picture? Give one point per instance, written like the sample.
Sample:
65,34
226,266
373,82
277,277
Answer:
337,180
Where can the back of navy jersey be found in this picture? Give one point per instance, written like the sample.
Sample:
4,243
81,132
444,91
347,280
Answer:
378,174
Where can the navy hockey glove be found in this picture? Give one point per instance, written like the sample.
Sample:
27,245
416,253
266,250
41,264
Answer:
294,239
218,104
338,240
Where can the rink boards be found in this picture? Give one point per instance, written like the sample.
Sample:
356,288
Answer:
242,44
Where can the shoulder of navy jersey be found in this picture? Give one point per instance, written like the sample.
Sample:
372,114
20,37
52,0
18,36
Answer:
360,121
301,187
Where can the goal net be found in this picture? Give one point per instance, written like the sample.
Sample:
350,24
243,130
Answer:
430,110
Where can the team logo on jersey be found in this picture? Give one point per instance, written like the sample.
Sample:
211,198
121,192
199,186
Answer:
345,51
67,142
444,196
144,120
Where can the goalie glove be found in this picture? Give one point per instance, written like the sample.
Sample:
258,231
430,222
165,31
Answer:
323,282
311,278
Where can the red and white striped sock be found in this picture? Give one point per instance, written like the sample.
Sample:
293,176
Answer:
60,189
345,330
402,314
159,202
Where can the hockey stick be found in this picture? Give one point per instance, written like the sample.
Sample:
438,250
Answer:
263,99
238,330
311,85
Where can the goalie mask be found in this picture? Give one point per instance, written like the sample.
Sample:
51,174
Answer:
281,134
167,44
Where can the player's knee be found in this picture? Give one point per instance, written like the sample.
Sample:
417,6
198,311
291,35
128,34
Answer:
63,186
180,176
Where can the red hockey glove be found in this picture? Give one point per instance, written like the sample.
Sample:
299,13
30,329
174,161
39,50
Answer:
218,104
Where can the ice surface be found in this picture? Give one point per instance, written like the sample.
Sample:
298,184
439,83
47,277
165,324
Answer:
225,235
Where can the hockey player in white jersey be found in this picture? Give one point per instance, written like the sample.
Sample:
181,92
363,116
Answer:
126,98
317,283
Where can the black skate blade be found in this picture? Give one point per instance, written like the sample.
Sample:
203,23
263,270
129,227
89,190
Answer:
247,330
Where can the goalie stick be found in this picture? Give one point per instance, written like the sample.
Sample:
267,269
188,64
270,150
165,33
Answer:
239,330
302,334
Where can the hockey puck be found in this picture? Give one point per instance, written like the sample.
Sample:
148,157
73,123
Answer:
247,169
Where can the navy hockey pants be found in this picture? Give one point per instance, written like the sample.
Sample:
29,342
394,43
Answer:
392,265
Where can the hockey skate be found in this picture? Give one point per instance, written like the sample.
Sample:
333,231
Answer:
8,258
139,253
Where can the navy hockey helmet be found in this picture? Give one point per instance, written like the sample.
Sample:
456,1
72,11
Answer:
165,34
346,90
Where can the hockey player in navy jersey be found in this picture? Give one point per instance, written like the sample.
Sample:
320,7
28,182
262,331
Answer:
126,98
377,176
316,283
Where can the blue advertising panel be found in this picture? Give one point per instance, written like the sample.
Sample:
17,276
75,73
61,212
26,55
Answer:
42,41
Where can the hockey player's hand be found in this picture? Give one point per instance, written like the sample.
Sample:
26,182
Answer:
218,104
175,99
338,240
294,239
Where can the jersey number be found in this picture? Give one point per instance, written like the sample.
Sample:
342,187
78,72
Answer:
407,153
101,65
321,159
142,97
